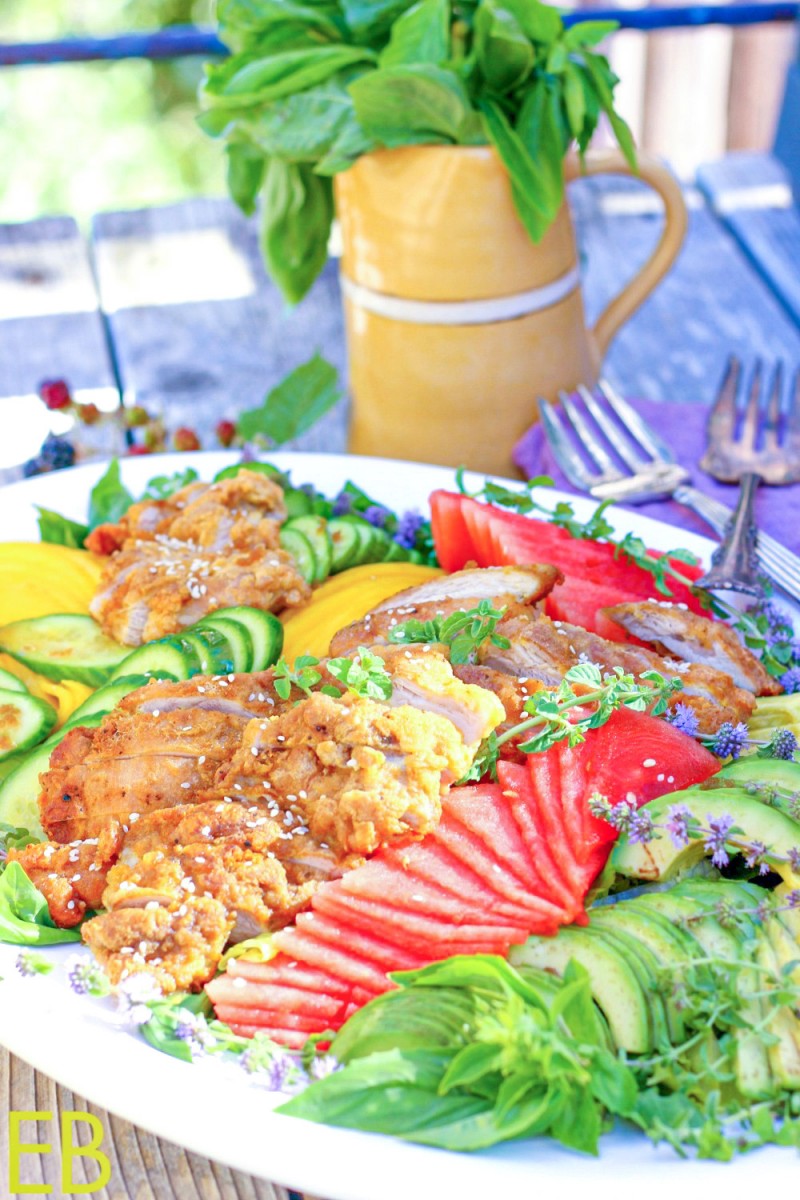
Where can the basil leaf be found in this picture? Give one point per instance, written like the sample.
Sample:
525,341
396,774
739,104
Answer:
295,225
275,75
245,174
541,130
588,33
294,405
370,20
109,498
60,531
304,128
401,106
164,486
420,35
504,53
604,81
541,22
24,916
526,175
253,16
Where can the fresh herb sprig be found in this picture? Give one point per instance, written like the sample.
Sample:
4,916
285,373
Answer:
364,674
310,88
596,528
464,632
552,716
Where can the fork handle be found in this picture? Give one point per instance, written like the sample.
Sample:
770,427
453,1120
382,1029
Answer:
734,564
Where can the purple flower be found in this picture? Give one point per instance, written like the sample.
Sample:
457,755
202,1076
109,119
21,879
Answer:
679,823
717,836
793,899
408,527
783,744
29,963
193,1030
790,680
685,719
86,978
376,515
323,1066
134,996
754,857
794,859
640,827
342,504
730,740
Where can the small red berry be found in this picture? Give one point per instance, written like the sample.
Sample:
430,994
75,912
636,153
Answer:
185,439
226,433
136,416
89,413
55,394
135,451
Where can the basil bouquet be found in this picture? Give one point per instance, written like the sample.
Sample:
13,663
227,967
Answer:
311,86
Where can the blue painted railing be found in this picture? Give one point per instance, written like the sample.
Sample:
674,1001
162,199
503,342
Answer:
181,41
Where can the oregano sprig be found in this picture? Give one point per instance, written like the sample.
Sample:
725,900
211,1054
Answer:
463,632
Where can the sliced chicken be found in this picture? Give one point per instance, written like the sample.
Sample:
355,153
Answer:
423,678
545,650
72,877
162,746
695,639
525,585
207,547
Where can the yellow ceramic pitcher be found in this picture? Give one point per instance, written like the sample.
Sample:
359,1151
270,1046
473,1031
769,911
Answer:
455,320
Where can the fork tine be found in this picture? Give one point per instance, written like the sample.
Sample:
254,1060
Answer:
586,436
747,435
622,445
565,453
722,419
647,438
773,414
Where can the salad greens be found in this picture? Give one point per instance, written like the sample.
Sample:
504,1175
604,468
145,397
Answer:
24,916
294,405
463,632
310,88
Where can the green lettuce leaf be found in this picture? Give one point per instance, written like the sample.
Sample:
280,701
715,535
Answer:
294,405
109,498
60,531
24,916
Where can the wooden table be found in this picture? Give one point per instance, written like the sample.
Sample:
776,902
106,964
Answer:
170,308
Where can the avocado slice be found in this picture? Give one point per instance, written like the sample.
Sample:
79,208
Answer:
784,944
616,987
672,949
662,859
784,1051
773,781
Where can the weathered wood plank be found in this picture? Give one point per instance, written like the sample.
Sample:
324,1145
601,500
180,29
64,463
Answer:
50,327
143,1167
752,195
200,332
712,302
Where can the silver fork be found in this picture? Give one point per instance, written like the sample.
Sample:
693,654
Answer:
631,464
746,448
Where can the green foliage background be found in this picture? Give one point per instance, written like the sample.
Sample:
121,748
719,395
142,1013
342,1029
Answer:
79,138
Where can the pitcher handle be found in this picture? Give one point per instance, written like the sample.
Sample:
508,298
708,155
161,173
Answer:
624,305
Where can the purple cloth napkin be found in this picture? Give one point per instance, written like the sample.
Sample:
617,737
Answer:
683,427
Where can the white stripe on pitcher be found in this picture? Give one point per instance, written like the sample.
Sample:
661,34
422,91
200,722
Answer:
461,312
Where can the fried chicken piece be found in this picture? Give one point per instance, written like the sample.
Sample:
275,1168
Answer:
510,691
695,639
160,747
179,946
71,878
360,773
151,589
423,678
545,650
244,511
208,546
504,586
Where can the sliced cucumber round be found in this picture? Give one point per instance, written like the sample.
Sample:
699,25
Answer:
298,504
264,628
297,544
315,529
345,543
172,655
236,637
63,646
24,721
214,651
108,697
11,682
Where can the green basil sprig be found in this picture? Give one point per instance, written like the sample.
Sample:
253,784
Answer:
311,87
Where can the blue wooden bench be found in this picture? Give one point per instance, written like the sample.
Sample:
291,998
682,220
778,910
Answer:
757,197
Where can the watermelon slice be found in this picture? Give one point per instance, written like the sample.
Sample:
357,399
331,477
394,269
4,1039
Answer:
578,602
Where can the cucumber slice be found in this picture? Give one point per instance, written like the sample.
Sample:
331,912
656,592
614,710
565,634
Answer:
236,638
297,544
11,682
264,628
373,541
345,543
259,468
64,646
24,721
396,553
213,650
315,529
107,697
171,654
19,791
298,504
